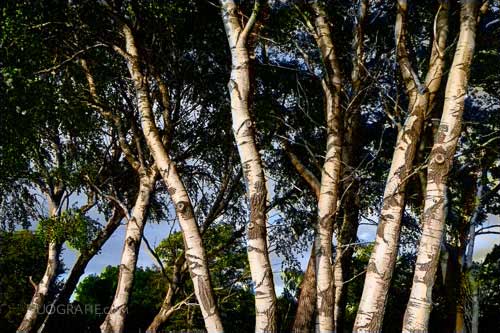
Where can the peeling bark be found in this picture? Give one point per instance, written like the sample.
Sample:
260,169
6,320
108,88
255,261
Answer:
440,160
330,173
195,252
383,258
244,133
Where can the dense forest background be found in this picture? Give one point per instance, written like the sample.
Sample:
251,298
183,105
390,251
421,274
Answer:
327,165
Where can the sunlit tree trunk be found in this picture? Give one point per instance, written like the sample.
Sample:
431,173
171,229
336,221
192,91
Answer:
115,319
42,288
195,252
440,160
383,258
244,133
330,173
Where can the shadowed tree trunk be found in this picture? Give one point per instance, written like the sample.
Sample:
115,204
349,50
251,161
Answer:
351,158
306,304
383,258
115,319
440,160
244,132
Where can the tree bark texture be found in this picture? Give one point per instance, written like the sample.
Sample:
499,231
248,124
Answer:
195,252
330,173
383,258
306,303
440,160
244,133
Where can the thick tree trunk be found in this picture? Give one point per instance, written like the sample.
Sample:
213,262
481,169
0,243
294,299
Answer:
42,289
81,263
382,261
195,252
306,304
440,160
244,133
115,319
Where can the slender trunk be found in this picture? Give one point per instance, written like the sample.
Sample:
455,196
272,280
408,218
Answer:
304,316
342,268
322,35
195,252
42,289
115,319
306,303
330,173
81,263
381,264
351,152
440,160
167,307
475,306
383,258
244,133
467,303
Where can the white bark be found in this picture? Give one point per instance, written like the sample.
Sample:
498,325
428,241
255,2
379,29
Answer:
440,160
383,258
244,133
115,319
330,173
42,289
195,252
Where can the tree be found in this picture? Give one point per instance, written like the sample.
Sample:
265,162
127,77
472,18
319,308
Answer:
21,251
242,54
440,160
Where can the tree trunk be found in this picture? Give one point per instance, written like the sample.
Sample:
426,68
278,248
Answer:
195,252
342,268
330,173
306,304
440,160
244,133
42,289
167,307
468,303
80,265
115,319
383,258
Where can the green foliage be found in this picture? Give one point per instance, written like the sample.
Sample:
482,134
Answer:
489,291
71,226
